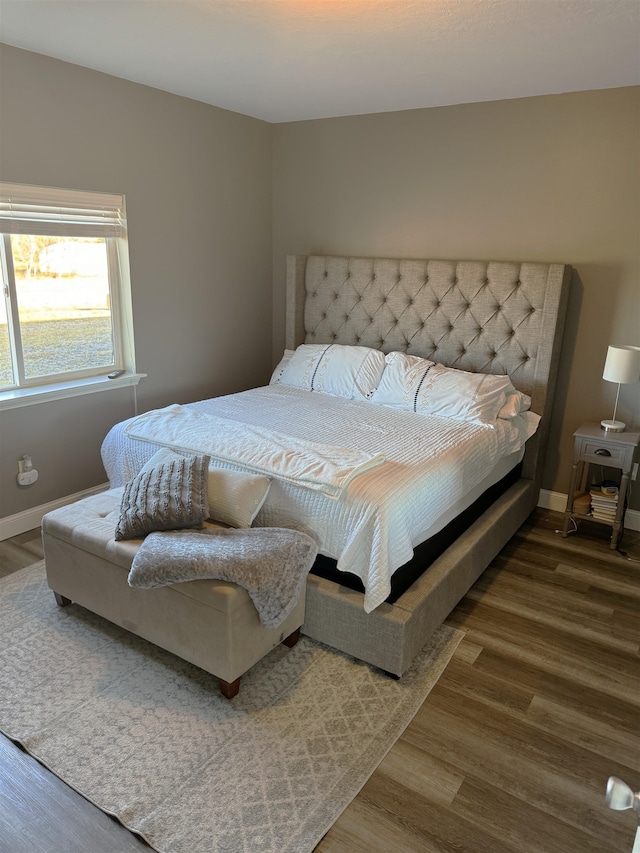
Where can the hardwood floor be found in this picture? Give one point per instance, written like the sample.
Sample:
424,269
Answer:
511,751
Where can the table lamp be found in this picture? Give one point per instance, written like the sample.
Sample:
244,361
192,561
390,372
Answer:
622,365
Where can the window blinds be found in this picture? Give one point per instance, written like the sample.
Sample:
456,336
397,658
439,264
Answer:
71,213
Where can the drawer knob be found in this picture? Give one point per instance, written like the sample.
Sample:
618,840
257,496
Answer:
602,451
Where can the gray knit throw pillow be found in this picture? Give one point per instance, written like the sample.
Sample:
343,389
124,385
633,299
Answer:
169,496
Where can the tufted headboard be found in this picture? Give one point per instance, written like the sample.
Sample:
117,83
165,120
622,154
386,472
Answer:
482,316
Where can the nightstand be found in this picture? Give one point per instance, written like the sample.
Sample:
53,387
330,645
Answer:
594,446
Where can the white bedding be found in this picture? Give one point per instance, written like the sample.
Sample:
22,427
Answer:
431,463
322,467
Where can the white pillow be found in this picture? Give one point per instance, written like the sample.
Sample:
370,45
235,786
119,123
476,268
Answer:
284,361
344,371
413,383
517,402
235,497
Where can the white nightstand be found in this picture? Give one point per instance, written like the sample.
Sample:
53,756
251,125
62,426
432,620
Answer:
593,446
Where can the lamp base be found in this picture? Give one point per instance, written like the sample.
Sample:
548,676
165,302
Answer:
613,426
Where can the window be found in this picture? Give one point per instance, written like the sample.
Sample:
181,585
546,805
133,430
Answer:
66,312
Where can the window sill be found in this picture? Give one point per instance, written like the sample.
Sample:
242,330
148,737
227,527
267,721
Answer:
18,397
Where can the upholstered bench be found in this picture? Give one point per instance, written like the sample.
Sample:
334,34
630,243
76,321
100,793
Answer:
210,623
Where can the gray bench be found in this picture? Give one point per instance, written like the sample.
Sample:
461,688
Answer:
210,623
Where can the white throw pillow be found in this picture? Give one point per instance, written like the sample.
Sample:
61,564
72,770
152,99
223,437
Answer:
421,386
339,369
235,497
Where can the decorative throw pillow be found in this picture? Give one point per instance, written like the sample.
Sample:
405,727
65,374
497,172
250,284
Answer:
339,369
168,495
235,497
419,385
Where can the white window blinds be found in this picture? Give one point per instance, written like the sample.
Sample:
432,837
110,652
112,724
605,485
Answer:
60,212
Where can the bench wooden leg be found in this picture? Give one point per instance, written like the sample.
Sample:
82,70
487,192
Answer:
229,689
292,639
62,600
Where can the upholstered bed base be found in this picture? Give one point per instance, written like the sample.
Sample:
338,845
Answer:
491,317
392,635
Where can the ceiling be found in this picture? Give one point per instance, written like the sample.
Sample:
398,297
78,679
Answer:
288,60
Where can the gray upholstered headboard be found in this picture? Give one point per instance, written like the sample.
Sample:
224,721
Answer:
482,316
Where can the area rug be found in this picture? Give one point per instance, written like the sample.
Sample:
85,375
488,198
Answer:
150,740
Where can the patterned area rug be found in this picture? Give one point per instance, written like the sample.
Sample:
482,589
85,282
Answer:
148,738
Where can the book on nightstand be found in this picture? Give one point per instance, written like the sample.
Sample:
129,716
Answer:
603,505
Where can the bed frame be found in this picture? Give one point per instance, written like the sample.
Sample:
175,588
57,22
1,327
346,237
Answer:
490,317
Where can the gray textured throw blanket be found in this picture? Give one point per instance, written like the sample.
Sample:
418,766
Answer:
271,563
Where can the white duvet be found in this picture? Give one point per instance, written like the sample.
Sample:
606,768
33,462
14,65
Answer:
371,527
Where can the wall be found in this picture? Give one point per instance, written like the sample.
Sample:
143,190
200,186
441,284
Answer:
197,182
552,178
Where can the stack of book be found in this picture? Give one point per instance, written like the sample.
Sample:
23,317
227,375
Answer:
604,506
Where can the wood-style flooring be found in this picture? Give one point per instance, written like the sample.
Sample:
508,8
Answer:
510,752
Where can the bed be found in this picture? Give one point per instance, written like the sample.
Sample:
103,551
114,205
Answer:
495,318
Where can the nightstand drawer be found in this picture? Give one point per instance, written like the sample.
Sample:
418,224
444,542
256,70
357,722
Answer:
603,454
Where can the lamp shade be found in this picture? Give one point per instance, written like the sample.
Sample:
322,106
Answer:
622,365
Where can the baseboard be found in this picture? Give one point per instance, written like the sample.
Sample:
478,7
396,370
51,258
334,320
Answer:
13,525
29,519
557,501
